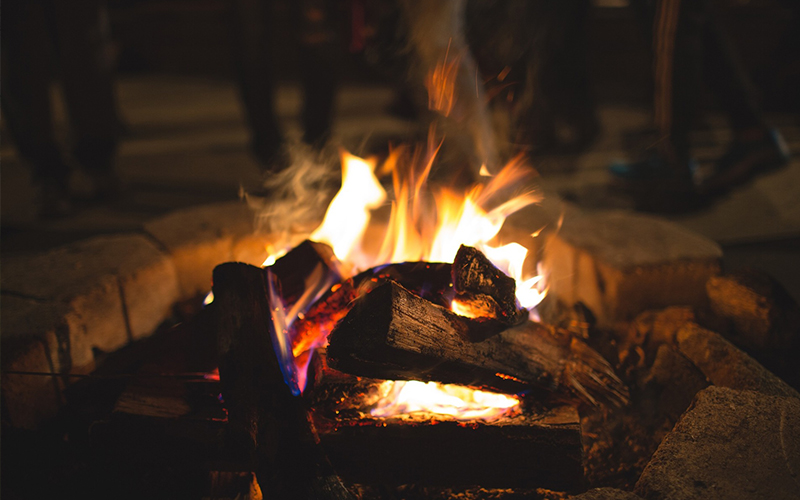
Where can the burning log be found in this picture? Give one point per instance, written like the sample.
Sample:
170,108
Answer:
301,265
480,286
391,333
429,280
531,448
265,418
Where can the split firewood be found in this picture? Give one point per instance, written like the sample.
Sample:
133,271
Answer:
428,280
531,447
482,287
303,267
390,333
268,422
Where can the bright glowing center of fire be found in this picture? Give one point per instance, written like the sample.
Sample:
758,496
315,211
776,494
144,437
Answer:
425,225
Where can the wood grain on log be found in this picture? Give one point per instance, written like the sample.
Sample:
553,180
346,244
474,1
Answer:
390,333
262,411
483,287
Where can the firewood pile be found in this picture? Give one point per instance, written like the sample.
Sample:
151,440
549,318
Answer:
599,407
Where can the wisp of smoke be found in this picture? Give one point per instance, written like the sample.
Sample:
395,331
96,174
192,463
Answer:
293,201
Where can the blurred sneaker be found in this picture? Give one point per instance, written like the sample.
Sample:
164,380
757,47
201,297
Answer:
656,185
745,160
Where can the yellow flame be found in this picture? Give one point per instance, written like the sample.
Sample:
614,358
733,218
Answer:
455,401
349,212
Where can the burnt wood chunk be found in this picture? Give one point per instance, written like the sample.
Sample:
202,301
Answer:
391,333
302,266
483,287
531,448
264,417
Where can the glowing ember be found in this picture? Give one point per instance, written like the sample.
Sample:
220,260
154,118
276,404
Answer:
458,402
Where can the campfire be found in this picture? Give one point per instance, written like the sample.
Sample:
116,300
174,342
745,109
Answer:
413,357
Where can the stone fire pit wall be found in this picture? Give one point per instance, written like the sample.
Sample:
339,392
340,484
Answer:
62,308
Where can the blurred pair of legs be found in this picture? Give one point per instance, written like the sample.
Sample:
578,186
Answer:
689,48
48,39
317,51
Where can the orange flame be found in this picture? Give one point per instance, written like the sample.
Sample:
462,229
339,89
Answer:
425,224
441,84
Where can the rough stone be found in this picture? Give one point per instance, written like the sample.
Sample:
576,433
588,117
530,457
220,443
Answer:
651,329
606,494
75,300
731,445
30,343
677,379
620,264
726,366
764,319
149,289
200,238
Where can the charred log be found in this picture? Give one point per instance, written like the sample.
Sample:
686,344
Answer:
428,280
308,261
264,417
534,448
483,287
390,333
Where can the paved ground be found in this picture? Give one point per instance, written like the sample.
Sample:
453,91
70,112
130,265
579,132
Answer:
188,145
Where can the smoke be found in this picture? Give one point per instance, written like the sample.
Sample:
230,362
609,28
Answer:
292,202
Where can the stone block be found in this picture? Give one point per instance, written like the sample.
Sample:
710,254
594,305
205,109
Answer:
30,343
725,365
761,316
149,287
606,494
93,295
200,238
620,264
677,380
731,445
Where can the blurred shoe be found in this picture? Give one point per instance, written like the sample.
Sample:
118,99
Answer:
655,168
745,160
656,185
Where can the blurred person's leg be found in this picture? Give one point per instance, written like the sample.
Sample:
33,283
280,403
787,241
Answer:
27,70
86,70
250,37
562,74
319,55
755,147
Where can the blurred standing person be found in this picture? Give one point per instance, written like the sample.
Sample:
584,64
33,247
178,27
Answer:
317,50
65,39
690,47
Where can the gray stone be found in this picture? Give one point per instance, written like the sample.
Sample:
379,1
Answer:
200,238
731,445
620,264
725,365
606,494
